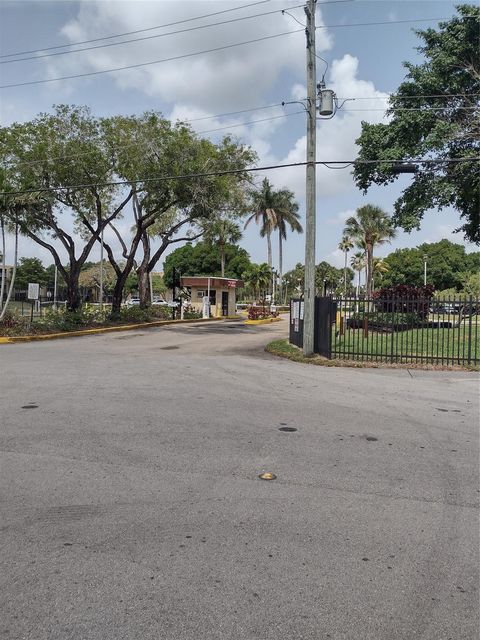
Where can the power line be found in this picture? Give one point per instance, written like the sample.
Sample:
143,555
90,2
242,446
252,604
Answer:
423,109
145,144
145,64
400,97
130,33
160,26
209,174
386,22
248,123
158,35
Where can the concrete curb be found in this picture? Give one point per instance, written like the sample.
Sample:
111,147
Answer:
126,327
264,321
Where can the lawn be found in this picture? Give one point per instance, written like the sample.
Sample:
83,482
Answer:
443,346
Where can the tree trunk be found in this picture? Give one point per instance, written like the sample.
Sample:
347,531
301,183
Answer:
369,270
118,292
73,294
143,274
269,258
280,266
144,292
222,259
12,281
345,276
4,266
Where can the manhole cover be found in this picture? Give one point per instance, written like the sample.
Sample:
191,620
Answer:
30,406
267,476
371,439
287,429
169,348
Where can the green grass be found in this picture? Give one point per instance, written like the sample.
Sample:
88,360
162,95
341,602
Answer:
442,346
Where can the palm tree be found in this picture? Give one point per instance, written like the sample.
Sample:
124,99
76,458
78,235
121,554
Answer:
264,214
345,245
370,227
257,278
222,231
286,215
357,263
379,268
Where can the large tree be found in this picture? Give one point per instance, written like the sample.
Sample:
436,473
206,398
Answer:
30,270
286,216
446,263
58,171
434,114
204,259
220,232
174,209
370,226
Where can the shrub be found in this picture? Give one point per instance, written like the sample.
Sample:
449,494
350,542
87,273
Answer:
404,298
261,313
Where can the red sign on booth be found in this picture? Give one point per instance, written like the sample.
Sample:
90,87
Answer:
232,283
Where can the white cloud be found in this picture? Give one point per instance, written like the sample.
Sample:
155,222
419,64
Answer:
212,81
341,217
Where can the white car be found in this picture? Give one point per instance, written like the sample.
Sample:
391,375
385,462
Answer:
133,302
160,302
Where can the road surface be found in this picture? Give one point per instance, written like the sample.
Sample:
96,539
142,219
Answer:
132,507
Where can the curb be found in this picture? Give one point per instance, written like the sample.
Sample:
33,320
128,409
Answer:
264,321
126,327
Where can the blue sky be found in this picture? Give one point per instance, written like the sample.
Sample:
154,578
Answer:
364,62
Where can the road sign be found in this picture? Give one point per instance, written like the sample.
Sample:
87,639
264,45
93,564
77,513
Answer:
33,290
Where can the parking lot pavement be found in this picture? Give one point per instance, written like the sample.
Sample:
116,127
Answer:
132,507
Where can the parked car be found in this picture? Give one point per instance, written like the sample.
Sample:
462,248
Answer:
133,302
160,302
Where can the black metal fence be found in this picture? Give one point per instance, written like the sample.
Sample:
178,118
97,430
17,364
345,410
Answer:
405,330
396,330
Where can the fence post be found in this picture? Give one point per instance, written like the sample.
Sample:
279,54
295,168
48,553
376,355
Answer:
470,329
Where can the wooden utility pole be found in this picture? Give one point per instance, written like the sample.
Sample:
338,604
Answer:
310,203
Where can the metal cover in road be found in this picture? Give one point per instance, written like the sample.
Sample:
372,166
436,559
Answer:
267,476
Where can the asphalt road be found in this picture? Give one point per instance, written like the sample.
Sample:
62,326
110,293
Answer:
132,507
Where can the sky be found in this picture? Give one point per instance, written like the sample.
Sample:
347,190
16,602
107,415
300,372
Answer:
362,64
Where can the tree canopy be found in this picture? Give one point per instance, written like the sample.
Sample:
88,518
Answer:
446,264
204,259
435,115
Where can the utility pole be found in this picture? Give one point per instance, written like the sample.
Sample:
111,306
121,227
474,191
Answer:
310,223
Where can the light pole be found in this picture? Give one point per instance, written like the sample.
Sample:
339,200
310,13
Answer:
425,270
55,288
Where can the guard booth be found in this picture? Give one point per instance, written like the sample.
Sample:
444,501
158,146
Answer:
221,292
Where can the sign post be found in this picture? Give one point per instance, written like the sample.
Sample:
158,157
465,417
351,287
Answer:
32,294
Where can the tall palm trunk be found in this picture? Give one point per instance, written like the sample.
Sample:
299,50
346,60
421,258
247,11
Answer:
222,259
4,265
280,266
345,276
269,256
369,270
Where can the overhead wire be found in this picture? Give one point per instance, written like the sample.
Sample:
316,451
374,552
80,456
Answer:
145,64
158,35
161,26
181,121
130,33
207,174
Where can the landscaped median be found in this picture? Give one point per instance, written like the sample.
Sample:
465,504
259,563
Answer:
86,332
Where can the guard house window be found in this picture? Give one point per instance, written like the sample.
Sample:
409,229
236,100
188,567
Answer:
213,297
200,294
